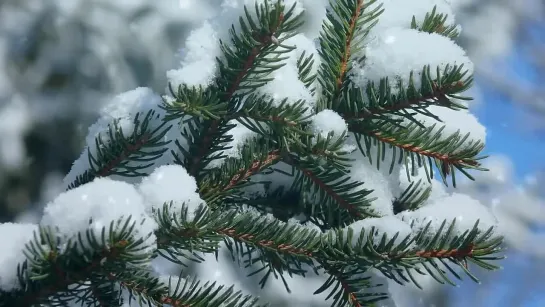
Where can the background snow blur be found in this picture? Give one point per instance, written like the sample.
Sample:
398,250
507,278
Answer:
61,60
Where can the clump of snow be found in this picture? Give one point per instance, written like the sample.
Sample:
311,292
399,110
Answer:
199,58
95,205
12,245
163,266
376,180
501,170
328,121
241,135
454,121
314,14
378,227
461,207
199,66
131,102
170,184
124,108
398,52
437,188
286,83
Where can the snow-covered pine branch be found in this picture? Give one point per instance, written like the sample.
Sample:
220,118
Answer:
293,151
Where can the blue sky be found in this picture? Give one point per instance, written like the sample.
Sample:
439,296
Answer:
501,117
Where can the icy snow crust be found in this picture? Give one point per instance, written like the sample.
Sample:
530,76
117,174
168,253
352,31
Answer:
393,50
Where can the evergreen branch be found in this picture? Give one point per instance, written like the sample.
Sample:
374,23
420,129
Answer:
281,247
287,247
304,69
184,293
179,239
449,153
445,245
91,265
348,286
349,35
321,150
424,249
246,228
380,102
256,166
193,101
257,109
412,198
223,183
278,115
435,23
207,139
346,25
245,67
49,272
114,155
331,194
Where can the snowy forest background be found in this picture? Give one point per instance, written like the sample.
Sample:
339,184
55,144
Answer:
60,60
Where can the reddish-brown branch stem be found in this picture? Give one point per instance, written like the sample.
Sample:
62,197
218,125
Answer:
173,302
288,248
130,149
341,201
203,149
65,280
448,253
347,44
416,149
437,94
254,168
344,284
352,297
165,299
390,109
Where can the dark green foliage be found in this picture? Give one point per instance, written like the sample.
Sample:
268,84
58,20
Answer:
346,21
123,155
412,198
435,23
422,146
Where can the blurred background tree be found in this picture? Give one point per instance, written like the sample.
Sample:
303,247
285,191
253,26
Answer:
60,60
